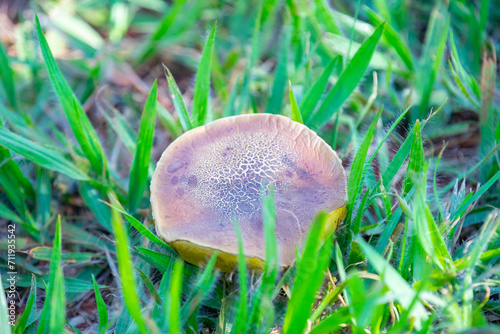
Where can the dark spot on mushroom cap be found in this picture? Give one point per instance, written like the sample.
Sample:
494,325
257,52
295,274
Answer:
172,168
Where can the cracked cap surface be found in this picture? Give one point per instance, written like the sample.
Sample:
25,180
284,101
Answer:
215,172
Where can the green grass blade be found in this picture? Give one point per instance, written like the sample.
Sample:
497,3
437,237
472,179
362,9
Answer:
178,102
262,310
327,301
269,221
310,274
30,307
162,29
487,232
43,195
296,116
326,17
333,323
275,102
130,297
8,214
393,39
432,57
80,125
201,289
314,94
76,27
482,241
487,118
95,202
427,232
390,277
241,323
149,285
58,304
50,322
468,85
158,260
251,61
397,160
10,168
101,308
202,84
348,81
7,77
388,133
416,161
42,156
355,182
119,20
468,201
174,298
168,121
452,183
118,123
10,174
142,229
44,253
142,156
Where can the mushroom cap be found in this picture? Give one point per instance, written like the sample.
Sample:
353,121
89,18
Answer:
216,172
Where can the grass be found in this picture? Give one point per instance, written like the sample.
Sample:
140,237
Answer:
405,92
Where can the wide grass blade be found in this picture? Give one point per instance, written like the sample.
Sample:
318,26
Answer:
174,298
142,156
28,310
95,202
42,156
311,269
200,289
241,323
427,231
403,292
251,61
333,323
101,308
262,310
11,178
393,39
8,214
83,130
10,168
348,81
314,94
269,221
178,102
201,92
53,312
275,102
142,229
7,77
432,57
130,297
356,177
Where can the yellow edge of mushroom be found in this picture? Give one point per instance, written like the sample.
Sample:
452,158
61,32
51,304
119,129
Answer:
227,262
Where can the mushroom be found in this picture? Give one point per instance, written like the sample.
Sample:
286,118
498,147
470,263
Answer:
215,173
